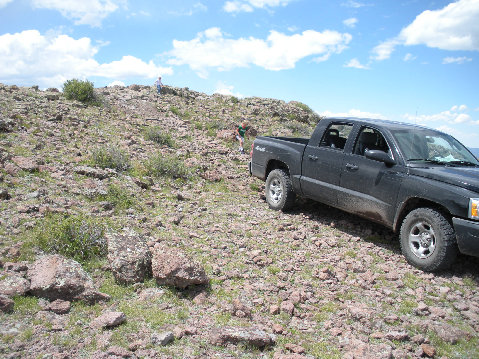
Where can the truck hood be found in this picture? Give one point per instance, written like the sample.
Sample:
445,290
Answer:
466,177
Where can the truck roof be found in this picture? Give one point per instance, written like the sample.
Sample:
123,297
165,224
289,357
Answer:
392,125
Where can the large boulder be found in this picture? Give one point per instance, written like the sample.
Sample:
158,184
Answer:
173,267
56,277
129,257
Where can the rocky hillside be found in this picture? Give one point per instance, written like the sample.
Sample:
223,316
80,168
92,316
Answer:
131,229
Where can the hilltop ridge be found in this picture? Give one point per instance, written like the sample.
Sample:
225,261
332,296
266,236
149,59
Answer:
165,171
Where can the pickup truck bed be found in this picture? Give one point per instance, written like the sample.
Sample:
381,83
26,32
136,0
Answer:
420,182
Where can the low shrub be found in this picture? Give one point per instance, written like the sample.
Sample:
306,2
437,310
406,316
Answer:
111,157
156,134
82,91
78,237
169,166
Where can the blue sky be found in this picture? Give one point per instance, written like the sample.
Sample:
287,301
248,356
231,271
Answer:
405,60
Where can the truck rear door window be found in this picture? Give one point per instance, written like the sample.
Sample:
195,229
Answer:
336,135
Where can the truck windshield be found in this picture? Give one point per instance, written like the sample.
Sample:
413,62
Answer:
424,145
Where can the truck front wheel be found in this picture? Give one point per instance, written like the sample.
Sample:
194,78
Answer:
279,190
428,240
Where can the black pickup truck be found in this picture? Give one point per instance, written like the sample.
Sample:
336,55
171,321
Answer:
420,182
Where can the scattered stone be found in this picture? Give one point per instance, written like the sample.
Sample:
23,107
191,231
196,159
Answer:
287,307
26,164
6,304
56,277
428,350
297,349
4,194
59,306
173,267
162,339
94,172
399,336
448,333
108,320
249,336
129,257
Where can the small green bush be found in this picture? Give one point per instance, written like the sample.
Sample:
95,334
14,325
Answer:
78,237
82,91
118,197
111,157
156,134
170,166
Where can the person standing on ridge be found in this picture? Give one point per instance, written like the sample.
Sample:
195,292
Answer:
158,85
240,133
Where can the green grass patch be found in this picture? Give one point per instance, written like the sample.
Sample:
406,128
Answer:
167,166
157,135
79,237
111,157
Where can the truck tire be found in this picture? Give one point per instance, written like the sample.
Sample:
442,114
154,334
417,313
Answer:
428,240
279,190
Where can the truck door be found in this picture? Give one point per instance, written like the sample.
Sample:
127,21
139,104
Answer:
369,187
322,163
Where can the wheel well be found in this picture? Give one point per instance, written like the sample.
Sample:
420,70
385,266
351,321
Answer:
273,165
414,203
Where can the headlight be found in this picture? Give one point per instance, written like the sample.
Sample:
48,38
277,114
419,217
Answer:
474,208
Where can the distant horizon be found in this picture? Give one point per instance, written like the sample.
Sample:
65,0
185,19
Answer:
414,61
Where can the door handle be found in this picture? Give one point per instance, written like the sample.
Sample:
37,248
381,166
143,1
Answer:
351,167
313,158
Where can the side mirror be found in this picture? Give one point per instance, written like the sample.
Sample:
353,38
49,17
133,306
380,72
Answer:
380,156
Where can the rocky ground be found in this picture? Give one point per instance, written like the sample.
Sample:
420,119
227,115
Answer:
311,283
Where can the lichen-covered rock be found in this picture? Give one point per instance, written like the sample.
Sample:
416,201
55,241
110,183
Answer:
129,257
12,285
94,172
249,336
56,277
25,163
173,267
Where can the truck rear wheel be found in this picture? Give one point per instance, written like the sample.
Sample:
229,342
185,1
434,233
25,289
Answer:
279,190
428,240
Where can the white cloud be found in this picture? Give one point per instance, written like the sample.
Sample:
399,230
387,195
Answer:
85,12
4,3
409,57
455,115
354,113
236,6
353,4
224,89
354,63
456,60
198,7
384,50
351,22
211,49
116,83
454,27
29,57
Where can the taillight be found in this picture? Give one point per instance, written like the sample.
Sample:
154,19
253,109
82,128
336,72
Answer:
252,148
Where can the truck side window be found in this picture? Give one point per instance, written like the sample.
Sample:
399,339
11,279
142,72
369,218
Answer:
336,136
369,139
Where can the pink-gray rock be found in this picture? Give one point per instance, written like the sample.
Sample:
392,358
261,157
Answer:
6,304
94,172
129,257
173,267
249,336
56,277
12,285
108,320
59,306
162,339
26,164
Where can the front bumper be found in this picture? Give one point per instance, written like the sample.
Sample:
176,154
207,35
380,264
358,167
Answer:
467,233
